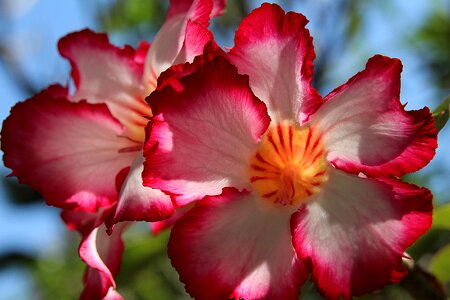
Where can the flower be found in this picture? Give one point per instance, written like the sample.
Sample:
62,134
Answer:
287,184
83,150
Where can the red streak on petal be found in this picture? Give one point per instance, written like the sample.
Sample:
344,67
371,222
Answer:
261,159
291,136
131,149
268,195
280,134
308,139
320,174
256,178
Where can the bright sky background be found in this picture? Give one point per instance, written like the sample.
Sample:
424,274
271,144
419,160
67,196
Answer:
38,24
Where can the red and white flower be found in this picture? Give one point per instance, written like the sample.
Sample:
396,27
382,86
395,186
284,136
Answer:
287,184
83,150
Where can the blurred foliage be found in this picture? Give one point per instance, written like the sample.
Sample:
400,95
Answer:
146,272
60,276
441,113
432,40
440,265
440,262
137,17
11,258
19,193
441,217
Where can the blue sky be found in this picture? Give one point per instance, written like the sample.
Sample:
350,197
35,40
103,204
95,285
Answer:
35,31
36,28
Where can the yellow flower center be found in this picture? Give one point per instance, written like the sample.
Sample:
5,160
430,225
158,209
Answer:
289,165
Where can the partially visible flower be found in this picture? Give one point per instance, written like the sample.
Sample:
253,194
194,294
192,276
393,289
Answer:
83,151
286,183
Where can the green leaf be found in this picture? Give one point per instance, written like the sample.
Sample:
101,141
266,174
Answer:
440,264
441,114
130,15
441,217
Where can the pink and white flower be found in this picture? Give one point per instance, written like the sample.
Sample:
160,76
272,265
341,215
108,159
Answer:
287,184
83,150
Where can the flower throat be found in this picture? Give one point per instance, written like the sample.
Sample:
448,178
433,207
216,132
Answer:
289,165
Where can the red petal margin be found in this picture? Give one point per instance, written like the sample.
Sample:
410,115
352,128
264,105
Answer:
354,235
69,152
173,75
103,254
181,6
197,10
196,37
275,50
366,128
158,227
228,246
85,222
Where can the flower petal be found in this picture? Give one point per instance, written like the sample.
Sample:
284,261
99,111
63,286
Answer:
69,152
196,37
157,227
366,129
104,73
173,74
102,253
112,295
140,203
202,135
169,40
99,278
218,7
356,231
237,249
84,222
276,51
